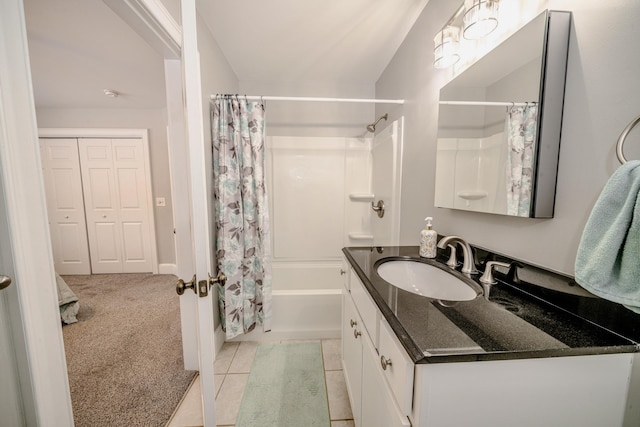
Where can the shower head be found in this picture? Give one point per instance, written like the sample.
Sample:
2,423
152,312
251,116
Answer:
372,127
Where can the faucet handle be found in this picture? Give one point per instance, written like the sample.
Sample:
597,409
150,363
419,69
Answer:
487,276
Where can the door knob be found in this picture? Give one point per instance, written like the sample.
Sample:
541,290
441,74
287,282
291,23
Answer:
5,281
182,285
220,279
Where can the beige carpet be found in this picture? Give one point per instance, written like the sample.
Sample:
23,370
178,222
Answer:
124,356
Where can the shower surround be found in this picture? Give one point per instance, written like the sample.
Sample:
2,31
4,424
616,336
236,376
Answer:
312,216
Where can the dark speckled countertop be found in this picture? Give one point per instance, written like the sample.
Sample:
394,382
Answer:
530,313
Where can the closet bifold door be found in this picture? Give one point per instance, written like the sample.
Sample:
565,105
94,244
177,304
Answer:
115,197
65,206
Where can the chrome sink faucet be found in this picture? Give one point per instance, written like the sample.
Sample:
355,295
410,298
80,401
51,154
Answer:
468,264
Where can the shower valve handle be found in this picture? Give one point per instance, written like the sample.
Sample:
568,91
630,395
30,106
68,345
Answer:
378,208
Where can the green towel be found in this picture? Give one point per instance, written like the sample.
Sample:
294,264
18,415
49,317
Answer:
608,259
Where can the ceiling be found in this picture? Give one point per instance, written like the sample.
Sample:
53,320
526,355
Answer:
310,40
78,48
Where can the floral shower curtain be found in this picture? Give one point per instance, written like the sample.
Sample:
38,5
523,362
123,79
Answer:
520,131
242,216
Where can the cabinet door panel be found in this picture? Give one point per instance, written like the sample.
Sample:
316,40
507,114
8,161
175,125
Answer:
399,373
378,405
365,305
352,355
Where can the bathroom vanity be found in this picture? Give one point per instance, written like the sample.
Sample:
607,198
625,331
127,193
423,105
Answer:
539,351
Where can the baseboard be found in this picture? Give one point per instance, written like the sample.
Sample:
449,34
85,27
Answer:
219,339
168,269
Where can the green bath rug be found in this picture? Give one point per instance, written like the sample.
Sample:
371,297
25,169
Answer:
286,388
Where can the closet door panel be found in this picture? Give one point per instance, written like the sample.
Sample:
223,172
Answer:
65,205
99,184
133,201
106,254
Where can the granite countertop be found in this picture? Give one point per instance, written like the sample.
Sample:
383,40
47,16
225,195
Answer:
520,320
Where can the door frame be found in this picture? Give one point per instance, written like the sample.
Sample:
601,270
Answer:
105,133
46,381
38,315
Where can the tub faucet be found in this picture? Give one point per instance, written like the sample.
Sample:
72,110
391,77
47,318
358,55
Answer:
468,263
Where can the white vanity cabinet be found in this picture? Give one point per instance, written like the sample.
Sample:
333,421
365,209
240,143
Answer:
372,389
592,390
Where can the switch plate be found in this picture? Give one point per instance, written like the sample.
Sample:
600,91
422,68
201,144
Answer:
160,201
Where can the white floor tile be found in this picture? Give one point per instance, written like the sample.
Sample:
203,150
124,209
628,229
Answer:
339,407
224,358
331,353
189,412
229,398
237,359
243,360
219,379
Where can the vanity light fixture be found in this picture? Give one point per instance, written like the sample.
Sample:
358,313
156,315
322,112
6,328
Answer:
447,47
480,18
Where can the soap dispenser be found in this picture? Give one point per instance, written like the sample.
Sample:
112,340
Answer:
428,240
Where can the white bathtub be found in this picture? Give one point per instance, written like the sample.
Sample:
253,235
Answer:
306,304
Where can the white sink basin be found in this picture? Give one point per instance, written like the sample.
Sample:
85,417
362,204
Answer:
426,280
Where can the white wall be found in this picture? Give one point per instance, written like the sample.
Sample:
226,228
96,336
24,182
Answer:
601,97
153,119
287,118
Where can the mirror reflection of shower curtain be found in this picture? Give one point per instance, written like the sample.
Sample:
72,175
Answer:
520,131
242,215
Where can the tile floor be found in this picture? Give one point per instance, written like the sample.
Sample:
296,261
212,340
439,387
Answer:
232,368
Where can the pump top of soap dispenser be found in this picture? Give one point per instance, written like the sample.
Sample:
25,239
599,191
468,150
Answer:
429,226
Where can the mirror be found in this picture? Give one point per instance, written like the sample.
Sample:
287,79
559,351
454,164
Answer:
499,124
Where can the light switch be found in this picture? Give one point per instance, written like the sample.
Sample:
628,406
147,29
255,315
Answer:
160,201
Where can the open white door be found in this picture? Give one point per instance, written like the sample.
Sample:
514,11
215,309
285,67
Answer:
188,176
34,387
202,256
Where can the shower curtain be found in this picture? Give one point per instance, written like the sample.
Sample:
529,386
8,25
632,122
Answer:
242,243
520,130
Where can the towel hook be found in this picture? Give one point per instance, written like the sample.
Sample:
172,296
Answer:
622,137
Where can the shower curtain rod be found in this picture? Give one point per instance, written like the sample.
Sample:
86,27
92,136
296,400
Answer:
315,99
490,104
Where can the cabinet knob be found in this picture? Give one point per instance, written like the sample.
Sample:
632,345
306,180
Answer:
353,323
342,272
385,362
356,333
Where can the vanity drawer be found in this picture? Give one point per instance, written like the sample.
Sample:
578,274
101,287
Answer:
366,307
399,374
